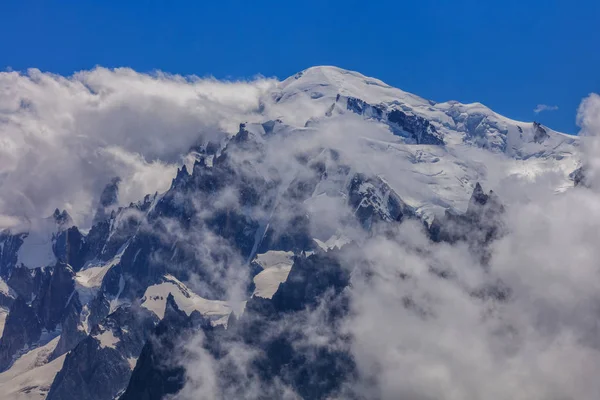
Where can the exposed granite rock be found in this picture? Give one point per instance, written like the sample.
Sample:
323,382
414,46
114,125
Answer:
72,330
540,133
99,367
22,328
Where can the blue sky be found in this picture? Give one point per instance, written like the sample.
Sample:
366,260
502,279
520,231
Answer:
510,55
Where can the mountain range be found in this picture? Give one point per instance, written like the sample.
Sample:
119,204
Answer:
248,264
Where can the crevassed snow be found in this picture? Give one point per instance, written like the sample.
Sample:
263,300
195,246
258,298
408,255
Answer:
31,375
276,268
36,250
155,299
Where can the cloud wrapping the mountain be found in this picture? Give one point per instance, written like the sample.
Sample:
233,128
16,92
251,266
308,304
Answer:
542,343
441,337
422,337
62,139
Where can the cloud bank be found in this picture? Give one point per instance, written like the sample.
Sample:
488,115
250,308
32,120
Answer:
63,138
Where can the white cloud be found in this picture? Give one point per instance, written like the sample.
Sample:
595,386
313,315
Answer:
588,115
62,139
544,107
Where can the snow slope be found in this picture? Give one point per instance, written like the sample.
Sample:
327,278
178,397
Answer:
31,375
276,268
89,279
36,250
155,299
479,144
315,90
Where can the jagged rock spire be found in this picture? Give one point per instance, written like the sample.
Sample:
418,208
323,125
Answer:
108,198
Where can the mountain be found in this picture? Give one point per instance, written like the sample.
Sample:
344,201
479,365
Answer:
258,235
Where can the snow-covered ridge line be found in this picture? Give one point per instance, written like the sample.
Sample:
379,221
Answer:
325,91
322,81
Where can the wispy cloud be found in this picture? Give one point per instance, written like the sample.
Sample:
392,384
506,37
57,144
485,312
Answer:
544,107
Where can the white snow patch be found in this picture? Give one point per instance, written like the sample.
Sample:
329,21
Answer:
267,282
155,299
31,375
89,279
6,290
107,339
36,250
132,361
276,268
92,277
334,241
274,258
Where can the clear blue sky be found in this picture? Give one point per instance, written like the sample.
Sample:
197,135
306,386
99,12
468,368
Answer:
510,55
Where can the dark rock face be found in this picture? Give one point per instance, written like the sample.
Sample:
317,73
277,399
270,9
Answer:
54,295
99,367
374,201
62,219
273,329
29,283
361,107
6,300
479,225
308,281
71,248
9,247
72,331
99,308
313,371
42,303
539,133
579,177
156,373
108,198
22,328
419,128
402,123
25,282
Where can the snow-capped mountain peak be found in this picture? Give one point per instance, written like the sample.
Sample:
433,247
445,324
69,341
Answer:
334,90
329,158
